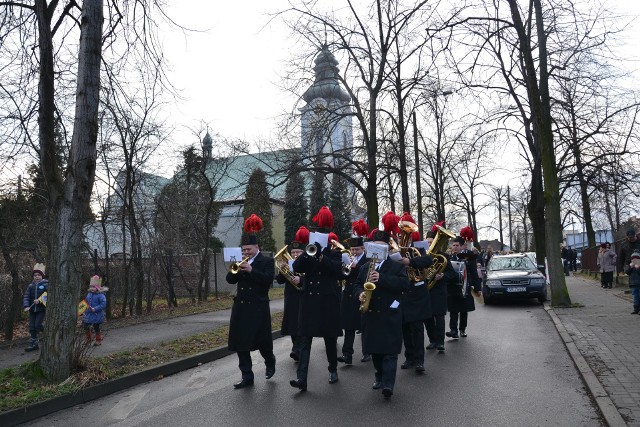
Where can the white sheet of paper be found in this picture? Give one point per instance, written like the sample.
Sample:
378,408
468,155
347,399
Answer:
395,256
422,244
232,254
419,284
321,238
377,250
395,304
346,259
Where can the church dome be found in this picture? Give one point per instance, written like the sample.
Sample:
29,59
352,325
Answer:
326,84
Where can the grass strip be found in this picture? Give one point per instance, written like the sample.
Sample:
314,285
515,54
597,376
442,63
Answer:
27,384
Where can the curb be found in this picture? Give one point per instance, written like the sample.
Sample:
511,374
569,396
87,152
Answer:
31,412
605,404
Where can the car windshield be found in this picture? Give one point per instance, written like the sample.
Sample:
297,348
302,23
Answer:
511,263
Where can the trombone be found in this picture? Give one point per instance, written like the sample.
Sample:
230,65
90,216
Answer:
346,268
235,267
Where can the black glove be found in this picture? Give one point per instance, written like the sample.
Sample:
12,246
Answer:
318,249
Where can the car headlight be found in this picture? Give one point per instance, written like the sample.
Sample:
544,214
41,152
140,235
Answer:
538,282
493,283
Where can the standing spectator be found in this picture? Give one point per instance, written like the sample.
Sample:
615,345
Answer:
94,314
634,280
573,259
564,253
606,265
32,301
631,245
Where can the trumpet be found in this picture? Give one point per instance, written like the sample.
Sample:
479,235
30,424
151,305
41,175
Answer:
346,268
369,286
235,267
311,249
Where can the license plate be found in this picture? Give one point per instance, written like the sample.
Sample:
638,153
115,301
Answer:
517,289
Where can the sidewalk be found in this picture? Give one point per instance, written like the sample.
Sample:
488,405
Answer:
128,337
606,336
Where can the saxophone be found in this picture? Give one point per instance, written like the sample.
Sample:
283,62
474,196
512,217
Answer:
369,286
439,244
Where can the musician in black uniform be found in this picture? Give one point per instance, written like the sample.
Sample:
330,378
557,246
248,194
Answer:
319,313
250,324
382,323
460,304
416,309
292,292
350,316
435,325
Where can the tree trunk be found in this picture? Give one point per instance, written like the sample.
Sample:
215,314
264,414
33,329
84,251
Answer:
14,301
535,208
64,260
372,168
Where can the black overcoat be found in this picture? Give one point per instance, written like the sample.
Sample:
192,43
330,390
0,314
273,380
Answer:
439,291
457,302
350,315
382,324
416,302
291,306
250,324
319,312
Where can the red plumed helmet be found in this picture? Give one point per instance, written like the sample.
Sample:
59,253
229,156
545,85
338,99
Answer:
253,224
370,236
302,235
390,223
360,228
333,236
415,236
407,217
466,233
324,218
434,228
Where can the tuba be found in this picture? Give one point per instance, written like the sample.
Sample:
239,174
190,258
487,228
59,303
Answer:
406,229
282,259
369,286
439,244
235,267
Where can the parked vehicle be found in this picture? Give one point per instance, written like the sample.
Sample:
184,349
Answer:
513,276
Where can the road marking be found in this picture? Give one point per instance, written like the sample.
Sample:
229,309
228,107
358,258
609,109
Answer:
198,379
123,408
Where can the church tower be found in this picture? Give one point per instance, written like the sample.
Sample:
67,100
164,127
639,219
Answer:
326,116
207,143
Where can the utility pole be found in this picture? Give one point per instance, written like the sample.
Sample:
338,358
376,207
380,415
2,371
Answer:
509,213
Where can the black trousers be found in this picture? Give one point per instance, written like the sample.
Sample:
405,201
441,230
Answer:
347,344
245,364
413,337
87,327
435,329
35,323
606,279
296,343
386,366
453,320
331,348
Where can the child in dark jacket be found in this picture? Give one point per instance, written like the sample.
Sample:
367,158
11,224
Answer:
94,314
35,302
634,280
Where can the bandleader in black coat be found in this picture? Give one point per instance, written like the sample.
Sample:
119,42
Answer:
460,305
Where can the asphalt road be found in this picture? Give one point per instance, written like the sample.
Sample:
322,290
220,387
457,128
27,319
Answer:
512,370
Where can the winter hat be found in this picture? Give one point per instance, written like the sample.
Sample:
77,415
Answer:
603,245
39,268
324,219
95,282
252,225
302,235
635,255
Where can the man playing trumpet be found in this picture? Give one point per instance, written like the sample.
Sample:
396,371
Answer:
250,324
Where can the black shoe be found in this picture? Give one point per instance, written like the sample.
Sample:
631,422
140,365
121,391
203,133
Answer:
295,356
407,365
302,385
463,334
377,385
366,358
333,377
432,346
347,359
271,370
420,368
387,392
452,334
242,384
440,348
31,348
358,332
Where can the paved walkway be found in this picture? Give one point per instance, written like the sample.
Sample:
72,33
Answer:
608,338
128,337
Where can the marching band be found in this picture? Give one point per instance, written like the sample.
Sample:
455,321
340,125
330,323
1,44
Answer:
389,288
